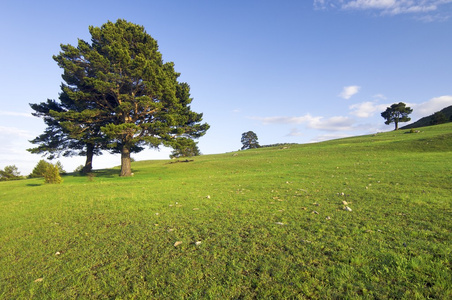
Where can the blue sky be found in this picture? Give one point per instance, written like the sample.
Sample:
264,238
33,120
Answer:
291,71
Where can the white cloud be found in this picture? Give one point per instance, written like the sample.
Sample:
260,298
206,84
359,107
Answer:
15,114
349,91
13,132
366,109
431,106
390,7
329,124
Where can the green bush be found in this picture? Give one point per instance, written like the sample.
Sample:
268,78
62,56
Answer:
52,174
40,169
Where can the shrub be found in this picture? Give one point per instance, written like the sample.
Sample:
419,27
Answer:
52,174
40,169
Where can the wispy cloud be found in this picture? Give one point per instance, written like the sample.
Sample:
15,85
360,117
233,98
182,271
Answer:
367,109
370,108
15,114
349,91
337,123
295,132
386,7
14,132
431,106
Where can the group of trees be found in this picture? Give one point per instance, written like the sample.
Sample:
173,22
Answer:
10,173
50,172
118,96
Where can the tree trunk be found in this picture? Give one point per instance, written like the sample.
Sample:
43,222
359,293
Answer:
89,159
396,125
126,169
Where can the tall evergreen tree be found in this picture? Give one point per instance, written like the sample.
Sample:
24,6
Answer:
126,90
397,112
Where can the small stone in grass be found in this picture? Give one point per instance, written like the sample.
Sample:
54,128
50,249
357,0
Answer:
57,253
279,223
347,208
208,197
177,243
315,212
328,218
39,279
198,243
345,202
195,208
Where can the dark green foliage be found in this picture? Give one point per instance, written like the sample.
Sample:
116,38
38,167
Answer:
10,173
62,135
52,174
398,112
249,140
126,91
438,118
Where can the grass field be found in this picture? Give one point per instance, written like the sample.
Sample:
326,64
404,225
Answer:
267,224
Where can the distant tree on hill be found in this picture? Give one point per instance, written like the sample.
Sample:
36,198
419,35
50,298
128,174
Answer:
249,140
396,113
10,173
438,118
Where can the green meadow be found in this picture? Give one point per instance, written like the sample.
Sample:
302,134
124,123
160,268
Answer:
268,223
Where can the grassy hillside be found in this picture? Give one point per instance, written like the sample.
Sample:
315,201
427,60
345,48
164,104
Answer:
264,223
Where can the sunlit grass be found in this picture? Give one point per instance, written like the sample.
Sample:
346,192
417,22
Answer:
265,223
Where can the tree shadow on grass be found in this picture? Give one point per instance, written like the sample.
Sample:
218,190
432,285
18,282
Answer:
101,173
34,184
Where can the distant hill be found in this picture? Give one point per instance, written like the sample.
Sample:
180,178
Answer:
426,121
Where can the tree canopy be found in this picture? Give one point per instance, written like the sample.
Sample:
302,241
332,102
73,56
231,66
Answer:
10,173
397,112
123,96
249,140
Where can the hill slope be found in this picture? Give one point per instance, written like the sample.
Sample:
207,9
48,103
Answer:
426,121
263,223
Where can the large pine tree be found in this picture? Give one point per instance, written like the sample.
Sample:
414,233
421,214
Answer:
124,88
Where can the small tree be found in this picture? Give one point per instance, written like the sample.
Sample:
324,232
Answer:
398,112
185,148
249,140
52,174
10,173
40,169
